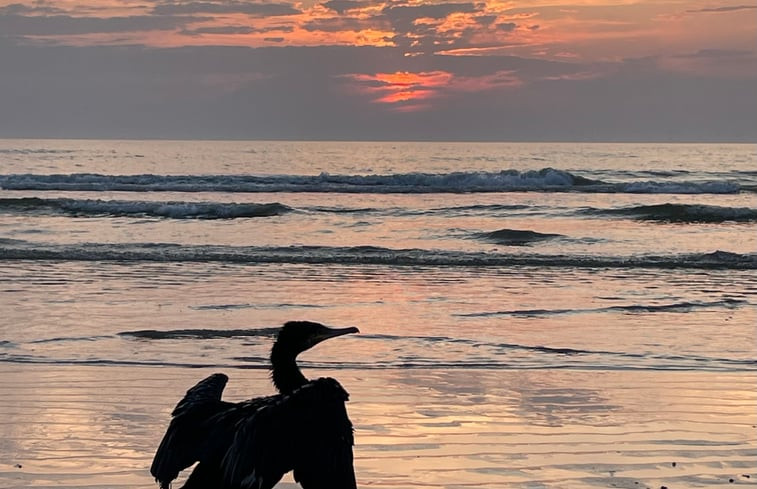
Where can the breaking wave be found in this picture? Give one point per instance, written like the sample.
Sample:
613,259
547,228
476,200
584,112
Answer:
544,180
358,255
684,213
515,237
174,210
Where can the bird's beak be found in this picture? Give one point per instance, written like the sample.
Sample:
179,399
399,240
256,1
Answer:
334,332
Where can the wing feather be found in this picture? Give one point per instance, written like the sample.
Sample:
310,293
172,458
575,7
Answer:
307,431
185,440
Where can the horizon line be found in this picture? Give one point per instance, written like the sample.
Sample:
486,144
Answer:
385,140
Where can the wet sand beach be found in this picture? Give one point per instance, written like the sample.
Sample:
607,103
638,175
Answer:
98,427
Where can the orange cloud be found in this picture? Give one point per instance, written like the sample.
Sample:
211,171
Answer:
407,79
405,96
559,30
403,90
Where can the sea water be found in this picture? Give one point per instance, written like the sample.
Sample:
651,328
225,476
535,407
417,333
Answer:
445,254
474,260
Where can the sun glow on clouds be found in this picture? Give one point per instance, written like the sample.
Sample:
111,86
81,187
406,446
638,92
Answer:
436,50
401,90
410,92
417,26
589,30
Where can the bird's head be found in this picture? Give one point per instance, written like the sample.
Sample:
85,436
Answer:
298,336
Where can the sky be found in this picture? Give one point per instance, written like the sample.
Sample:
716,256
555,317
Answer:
542,70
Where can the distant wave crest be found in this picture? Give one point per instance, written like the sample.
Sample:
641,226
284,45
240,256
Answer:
174,210
544,180
686,213
363,255
515,237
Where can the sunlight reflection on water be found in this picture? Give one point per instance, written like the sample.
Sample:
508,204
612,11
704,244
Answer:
99,426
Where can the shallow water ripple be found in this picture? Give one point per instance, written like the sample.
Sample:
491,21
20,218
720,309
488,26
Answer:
81,426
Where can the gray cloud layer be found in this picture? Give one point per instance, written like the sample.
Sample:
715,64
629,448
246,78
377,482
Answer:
65,25
290,92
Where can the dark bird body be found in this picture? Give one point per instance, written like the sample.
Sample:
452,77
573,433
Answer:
252,444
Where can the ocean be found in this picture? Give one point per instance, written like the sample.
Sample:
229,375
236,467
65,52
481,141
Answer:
532,314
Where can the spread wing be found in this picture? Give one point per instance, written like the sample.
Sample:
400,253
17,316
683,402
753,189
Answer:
185,441
307,431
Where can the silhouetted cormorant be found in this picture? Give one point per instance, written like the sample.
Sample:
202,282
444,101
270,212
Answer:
252,444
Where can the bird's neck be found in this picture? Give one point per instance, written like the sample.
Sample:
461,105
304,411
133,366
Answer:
285,373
